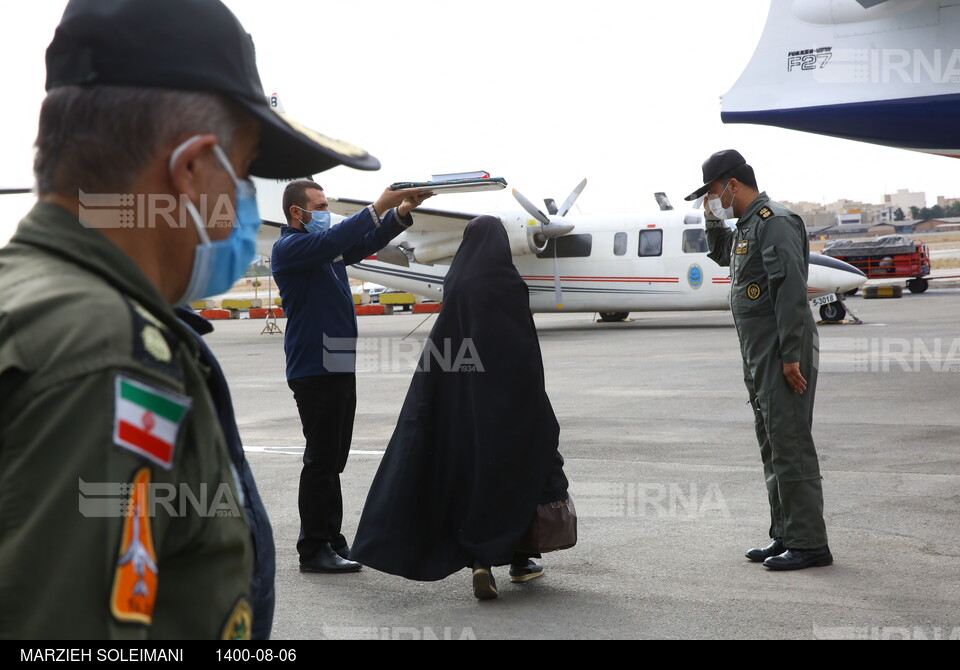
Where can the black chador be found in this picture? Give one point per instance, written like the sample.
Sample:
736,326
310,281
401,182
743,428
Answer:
475,448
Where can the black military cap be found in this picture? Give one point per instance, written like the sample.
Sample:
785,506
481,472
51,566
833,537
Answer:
189,45
718,166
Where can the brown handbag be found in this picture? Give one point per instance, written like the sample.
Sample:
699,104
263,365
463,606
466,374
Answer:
554,527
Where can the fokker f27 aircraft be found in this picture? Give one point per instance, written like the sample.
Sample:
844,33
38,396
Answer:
611,264
884,72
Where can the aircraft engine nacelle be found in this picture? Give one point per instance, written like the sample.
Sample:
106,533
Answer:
527,242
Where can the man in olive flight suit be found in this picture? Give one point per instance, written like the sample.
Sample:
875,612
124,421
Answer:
768,253
120,512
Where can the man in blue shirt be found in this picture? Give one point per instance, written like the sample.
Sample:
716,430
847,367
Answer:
309,263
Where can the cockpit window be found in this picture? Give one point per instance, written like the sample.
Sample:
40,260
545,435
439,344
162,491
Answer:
651,242
695,241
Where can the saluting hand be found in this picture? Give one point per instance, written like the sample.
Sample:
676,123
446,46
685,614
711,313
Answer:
795,380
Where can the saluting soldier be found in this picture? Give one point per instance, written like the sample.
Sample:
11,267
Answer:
768,255
120,513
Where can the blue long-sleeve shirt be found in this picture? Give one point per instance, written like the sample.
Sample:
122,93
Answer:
310,269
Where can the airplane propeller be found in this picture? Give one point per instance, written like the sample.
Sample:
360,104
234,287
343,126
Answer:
550,228
568,203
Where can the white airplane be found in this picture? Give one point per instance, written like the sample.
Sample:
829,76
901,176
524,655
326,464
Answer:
610,264
884,72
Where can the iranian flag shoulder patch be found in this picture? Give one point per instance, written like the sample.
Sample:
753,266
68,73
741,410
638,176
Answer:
147,420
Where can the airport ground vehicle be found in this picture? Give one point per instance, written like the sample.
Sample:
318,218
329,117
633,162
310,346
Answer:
887,257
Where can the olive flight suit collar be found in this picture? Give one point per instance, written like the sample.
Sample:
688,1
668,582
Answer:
753,208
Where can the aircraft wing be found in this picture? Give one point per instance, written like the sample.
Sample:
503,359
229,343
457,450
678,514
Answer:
433,238
268,234
885,72
424,220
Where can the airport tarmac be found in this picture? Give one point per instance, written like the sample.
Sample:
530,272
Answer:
665,471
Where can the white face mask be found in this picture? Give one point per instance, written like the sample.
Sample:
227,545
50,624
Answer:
716,206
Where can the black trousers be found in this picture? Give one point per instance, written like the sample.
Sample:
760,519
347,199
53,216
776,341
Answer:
327,405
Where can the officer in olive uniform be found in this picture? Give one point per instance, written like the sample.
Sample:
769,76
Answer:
768,254
121,516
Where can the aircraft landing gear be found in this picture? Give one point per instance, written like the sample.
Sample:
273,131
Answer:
835,311
609,317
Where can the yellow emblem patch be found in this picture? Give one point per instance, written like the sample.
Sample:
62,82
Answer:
754,291
239,622
135,578
765,213
743,246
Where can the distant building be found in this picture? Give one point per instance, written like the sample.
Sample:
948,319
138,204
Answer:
818,221
904,199
886,214
882,229
849,217
805,209
853,218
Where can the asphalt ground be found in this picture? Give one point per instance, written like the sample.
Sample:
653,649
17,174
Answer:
665,471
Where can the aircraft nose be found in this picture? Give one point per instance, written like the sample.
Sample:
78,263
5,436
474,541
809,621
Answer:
845,276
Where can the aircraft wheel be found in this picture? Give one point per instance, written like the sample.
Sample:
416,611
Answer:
835,311
609,317
918,285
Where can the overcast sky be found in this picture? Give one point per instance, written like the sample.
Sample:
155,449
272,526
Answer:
626,94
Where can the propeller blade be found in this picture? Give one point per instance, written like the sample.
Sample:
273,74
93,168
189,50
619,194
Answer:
531,208
568,204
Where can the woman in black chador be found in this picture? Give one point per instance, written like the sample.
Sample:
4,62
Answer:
475,449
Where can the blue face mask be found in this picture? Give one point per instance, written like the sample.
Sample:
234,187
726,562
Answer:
319,221
217,265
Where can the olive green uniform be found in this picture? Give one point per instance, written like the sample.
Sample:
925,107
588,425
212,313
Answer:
78,322
768,255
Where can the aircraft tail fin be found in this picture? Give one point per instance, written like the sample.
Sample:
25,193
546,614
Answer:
876,71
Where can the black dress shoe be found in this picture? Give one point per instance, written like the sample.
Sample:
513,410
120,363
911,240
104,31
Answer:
343,552
524,572
328,560
797,559
761,554
484,585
